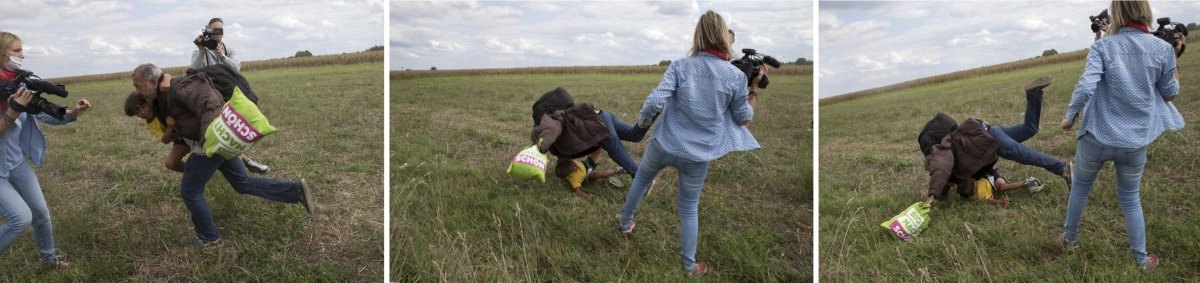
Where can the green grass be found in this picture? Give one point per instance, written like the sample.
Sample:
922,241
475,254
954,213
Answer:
871,169
118,215
456,216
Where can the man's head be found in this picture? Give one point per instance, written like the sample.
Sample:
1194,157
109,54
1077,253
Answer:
146,78
138,105
217,27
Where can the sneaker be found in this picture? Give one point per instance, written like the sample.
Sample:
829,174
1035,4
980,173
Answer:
209,244
1068,173
1038,84
615,182
58,264
254,166
306,196
628,231
1033,185
699,269
1062,241
1151,262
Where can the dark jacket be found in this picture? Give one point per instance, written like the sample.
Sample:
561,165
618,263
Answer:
194,103
960,157
571,133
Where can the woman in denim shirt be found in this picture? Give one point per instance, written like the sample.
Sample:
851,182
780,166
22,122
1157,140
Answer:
21,201
705,105
1125,90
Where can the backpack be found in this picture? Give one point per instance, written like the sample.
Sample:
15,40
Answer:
934,130
557,99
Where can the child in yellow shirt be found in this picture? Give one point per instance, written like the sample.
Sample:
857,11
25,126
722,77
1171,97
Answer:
579,171
137,105
987,187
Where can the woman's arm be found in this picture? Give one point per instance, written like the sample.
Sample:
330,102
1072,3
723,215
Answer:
1093,71
81,107
658,97
744,111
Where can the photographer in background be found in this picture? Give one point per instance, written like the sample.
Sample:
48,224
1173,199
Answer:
1099,24
212,51
705,103
22,203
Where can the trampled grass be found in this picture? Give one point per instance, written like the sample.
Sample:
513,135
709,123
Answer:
118,215
456,216
871,169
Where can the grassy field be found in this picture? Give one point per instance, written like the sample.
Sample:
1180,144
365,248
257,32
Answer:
871,169
457,217
118,215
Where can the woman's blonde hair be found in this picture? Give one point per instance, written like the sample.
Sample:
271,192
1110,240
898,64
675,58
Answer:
711,33
7,40
1127,12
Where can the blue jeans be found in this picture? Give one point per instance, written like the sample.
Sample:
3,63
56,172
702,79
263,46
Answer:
1090,156
619,131
1010,138
199,168
22,205
691,181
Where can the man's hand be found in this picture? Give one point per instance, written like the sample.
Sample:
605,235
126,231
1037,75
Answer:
929,200
170,122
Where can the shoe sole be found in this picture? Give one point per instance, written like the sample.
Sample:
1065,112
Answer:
307,201
1039,83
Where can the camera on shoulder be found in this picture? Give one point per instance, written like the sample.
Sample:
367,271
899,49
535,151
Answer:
749,64
1167,30
36,86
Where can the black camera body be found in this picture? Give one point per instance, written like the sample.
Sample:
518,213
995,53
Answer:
208,37
1167,30
36,86
1099,20
749,64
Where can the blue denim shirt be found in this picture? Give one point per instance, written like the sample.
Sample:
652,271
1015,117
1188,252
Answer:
1123,89
701,99
24,138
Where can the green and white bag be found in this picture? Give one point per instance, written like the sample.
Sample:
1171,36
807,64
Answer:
529,164
239,125
910,222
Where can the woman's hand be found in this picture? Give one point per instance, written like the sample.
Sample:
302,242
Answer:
762,72
81,106
1180,42
19,100
1066,125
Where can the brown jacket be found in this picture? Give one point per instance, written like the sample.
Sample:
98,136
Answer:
571,133
194,104
961,156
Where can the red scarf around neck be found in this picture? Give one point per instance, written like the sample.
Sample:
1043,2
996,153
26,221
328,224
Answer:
719,53
1141,26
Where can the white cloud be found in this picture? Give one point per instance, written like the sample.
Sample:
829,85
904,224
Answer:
444,46
522,34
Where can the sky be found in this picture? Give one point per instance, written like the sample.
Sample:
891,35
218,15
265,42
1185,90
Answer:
872,44
74,37
471,34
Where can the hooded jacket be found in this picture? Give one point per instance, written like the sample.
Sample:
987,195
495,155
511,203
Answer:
960,157
571,133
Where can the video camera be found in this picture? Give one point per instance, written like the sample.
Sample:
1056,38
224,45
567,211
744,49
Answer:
749,64
1099,20
36,86
1167,30
208,37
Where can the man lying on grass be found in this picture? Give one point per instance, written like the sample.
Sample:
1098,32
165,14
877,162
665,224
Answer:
960,154
569,131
